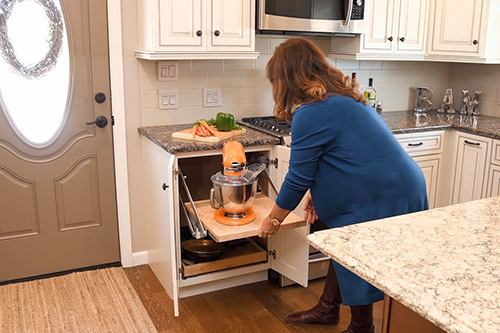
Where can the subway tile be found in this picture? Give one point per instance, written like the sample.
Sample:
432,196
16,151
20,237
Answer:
190,97
185,66
207,65
224,79
370,64
393,65
246,95
394,90
382,76
149,81
261,62
263,45
148,66
324,43
254,79
190,80
396,104
256,110
414,65
275,42
347,64
233,109
332,61
149,99
238,64
402,76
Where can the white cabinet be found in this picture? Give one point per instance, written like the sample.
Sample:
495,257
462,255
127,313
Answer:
464,30
286,252
494,174
196,29
471,165
394,29
426,149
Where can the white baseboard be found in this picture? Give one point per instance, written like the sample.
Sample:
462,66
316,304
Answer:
139,258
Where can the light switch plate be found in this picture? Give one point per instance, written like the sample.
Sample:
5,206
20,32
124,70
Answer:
212,97
168,70
168,99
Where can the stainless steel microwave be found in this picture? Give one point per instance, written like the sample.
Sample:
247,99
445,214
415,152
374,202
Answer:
316,17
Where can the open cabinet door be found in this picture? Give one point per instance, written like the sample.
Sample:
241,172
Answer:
159,189
289,248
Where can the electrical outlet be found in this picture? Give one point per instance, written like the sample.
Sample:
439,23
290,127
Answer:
168,99
212,97
168,70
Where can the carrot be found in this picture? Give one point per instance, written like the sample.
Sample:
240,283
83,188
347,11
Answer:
205,132
198,131
202,132
207,127
194,131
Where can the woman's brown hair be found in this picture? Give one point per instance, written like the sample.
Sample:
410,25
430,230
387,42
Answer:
300,74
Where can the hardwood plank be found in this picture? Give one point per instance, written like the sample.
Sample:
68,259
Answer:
223,233
257,307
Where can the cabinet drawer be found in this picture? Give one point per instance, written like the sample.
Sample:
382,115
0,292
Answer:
223,233
416,144
495,157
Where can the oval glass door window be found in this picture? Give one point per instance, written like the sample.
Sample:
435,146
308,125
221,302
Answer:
34,68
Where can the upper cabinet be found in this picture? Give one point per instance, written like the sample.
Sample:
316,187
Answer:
437,30
196,29
465,30
394,29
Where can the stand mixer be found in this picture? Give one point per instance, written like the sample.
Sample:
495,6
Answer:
234,188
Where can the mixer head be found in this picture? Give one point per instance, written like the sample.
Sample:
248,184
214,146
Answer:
233,158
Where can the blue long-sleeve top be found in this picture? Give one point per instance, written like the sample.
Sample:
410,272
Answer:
345,154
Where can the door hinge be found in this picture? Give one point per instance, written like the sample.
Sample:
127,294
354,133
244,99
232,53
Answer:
181,270
275,162
113,120
272,253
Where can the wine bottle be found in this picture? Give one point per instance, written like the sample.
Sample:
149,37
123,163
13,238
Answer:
370,93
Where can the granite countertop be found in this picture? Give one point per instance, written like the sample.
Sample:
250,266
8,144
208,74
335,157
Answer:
443,263
162,136
398,122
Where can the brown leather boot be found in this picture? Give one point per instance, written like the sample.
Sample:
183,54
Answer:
361,319
327,310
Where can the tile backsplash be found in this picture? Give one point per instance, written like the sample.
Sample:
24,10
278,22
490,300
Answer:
246,91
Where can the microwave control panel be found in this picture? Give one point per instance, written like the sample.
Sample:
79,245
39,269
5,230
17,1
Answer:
358,10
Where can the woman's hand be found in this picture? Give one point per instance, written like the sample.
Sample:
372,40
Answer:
267,228
309,211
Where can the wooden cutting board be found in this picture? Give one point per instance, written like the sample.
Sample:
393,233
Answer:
219,136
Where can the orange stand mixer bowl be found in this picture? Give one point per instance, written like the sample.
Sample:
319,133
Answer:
232,196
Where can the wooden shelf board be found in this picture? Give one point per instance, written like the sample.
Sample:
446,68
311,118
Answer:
239,256
223,233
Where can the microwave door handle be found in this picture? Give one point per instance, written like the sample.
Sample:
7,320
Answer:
347,20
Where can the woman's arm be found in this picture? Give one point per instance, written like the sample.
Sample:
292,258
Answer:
269,228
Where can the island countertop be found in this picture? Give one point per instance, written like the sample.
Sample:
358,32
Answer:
444,263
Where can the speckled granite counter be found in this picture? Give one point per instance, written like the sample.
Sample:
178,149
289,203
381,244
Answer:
443,264
398,122
408,122
162,136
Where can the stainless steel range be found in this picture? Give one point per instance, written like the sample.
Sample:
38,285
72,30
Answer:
318,262
271,125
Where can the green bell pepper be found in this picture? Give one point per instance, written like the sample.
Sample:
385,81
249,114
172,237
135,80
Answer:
224,121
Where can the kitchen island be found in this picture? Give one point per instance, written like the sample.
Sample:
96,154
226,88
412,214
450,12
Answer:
444,264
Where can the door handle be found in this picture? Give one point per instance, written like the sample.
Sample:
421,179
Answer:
100,122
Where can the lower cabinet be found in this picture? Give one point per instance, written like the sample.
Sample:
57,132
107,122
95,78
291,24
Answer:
471,165
430,168
494,181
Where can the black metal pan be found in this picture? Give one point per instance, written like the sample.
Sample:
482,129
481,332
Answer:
200,250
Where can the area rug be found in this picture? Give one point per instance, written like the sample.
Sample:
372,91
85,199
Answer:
92,301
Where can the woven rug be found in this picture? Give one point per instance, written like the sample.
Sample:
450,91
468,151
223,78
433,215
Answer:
93,301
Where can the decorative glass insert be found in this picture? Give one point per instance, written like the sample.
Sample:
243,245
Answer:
34,67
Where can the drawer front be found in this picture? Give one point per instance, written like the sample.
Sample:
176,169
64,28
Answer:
495,157
416,144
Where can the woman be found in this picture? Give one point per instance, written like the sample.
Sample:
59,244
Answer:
343,152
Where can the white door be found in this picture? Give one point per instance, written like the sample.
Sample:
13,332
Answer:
430,169
232,25
181,24
57,182
470,169
291,248
457,26
494,181
379,23
412,25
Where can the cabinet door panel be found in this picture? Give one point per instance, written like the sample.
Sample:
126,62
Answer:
470,169
412,21
232,20
379,18
179,22
456,25
494,181
430,169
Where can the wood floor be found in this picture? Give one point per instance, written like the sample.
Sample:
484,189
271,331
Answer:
257,307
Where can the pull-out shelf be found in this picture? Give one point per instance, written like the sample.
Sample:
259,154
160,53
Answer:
223,233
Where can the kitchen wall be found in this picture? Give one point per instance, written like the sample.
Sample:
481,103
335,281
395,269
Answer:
477,77
246,91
